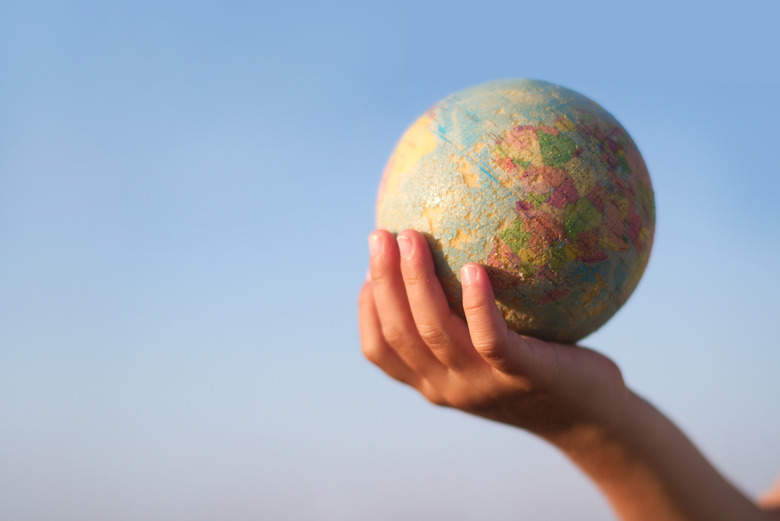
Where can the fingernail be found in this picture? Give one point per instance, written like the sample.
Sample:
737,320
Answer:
469,273
374,247
405,245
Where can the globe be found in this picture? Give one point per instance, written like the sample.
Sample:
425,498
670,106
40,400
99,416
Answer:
541,186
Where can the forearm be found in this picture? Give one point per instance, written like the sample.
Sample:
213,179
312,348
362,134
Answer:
572,396
650,471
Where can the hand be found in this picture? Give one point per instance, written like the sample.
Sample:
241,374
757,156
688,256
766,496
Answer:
477,365
571,396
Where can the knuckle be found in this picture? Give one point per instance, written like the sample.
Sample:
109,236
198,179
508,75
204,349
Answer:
488,346
372,353
413,273
434,396
379,274
494,352
475,306
415,269
393,335
452,396
432,336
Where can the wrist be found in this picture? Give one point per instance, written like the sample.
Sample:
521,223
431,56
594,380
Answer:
604,421
608,442
649,470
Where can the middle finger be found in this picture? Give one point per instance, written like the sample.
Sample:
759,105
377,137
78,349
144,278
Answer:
392,305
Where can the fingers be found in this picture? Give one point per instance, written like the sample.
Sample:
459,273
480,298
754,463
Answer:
392,305
487,327
504,349
440,330
373,344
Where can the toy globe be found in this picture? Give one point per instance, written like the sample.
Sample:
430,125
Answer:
538,184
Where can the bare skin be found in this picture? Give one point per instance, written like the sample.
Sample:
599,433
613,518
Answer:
571,396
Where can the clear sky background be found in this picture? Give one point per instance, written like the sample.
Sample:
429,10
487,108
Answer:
186,189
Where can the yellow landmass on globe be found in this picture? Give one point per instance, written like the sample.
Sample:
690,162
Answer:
416,143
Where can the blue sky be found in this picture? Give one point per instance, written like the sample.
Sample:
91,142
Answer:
185,195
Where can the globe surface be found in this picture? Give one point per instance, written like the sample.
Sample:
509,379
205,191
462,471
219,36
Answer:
538,184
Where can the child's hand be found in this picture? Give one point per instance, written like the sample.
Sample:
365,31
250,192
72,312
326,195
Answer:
479,366
572,396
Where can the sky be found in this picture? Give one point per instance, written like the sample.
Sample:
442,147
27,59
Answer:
186,190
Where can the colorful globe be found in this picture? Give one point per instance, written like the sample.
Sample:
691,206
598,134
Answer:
540,185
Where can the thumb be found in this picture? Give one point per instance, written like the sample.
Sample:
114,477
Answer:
487,327
501,348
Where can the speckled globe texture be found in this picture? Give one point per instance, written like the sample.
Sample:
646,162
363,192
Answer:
538,184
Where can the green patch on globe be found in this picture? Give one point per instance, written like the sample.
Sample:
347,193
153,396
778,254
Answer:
540,185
